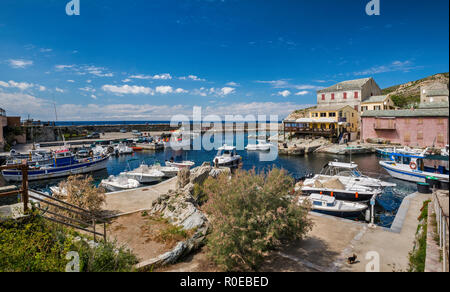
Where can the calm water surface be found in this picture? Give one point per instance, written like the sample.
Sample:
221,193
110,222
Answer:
387,204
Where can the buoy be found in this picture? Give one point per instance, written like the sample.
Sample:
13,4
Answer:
321,193
332,194
357,195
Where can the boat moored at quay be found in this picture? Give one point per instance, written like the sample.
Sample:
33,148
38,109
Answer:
63,163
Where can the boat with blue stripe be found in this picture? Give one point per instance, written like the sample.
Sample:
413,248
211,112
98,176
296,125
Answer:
63,163
415,167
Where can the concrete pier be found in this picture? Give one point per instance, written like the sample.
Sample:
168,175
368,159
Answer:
126,202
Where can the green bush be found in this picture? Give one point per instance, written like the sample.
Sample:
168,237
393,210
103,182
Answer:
251,214
417,257
35,245
199,195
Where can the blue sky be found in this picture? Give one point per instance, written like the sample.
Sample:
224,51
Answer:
148,60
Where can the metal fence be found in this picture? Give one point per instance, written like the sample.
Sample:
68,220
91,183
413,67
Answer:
442,228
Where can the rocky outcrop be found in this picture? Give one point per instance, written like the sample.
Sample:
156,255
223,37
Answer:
180,209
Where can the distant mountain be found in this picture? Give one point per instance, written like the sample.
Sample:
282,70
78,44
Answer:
405,95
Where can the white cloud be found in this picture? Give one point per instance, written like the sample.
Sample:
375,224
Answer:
88,89
44,50
19,85
284,83
23,104
302,92
126,80
180,90
165,76
402,66
42,88
94,96
71,81
284,93
20,63
227,90
192,77
127,89
164,89
234,84
62,67
59,90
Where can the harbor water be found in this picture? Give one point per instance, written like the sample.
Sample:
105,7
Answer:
297,166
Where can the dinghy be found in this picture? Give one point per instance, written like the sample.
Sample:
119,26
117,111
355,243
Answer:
145,174
119,183
262,145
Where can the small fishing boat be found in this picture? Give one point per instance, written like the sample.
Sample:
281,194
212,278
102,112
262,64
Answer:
119,183
62,163
227,156
136,148
262,145
169,171
331,206
413,168
145,174
181,164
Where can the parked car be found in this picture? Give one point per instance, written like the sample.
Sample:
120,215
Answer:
94,135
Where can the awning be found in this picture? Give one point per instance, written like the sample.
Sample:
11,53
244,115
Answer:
316,121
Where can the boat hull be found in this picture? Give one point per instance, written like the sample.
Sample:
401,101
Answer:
340,194
409,175
144,179
56,172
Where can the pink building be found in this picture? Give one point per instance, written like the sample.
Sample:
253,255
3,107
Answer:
426,126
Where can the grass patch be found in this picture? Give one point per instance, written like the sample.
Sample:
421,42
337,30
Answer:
162,231
418,255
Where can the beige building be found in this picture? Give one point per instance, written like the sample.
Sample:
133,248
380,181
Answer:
351,93
436,92
377,103
325,121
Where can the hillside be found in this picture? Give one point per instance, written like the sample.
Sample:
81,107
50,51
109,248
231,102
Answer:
407,94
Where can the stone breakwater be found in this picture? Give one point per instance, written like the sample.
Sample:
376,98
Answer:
47,133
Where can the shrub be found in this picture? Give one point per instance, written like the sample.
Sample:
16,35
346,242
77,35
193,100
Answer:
251,214
199,195
35,245
80,191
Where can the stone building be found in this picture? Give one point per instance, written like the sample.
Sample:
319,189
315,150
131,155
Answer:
436,92
9,122
377,103
425,126
351,93
3,124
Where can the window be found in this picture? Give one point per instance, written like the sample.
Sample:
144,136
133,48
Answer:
323,96
323,115
420,135
377,107
407,137
356,94
356,108
345,95
364,108
332,96
420,121
332,115
440,121
440,139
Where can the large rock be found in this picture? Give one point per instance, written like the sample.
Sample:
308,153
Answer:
200,174
183,178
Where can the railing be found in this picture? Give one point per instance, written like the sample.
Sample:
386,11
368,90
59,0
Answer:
24,190
55,203
71,209
442,229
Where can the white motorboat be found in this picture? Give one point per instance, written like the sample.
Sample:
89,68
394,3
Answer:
145,174
336,188
262,145
349,174
413,168
122,149
99,150
181,164
329,205
169,171
227,156
119,183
